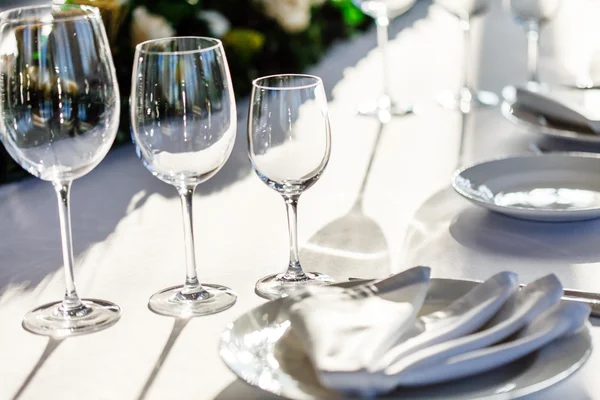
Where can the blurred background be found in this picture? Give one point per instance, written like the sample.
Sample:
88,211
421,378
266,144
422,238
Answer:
18,3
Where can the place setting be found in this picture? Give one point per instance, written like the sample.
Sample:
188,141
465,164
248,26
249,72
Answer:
556,110
556,183
408,336
560,113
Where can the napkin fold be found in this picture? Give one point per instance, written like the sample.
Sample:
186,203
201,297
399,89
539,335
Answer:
360,342
520,309
561,320
572,109
346,329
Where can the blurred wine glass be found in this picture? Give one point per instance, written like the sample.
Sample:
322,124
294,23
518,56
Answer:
468,97
59,113
289,143
183,119
382,11
532,15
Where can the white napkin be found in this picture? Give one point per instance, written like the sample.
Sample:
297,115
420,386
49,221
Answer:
561,320
570,107
371,345
518,311
346,329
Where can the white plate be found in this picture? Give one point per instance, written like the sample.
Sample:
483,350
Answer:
523,117
258,348
547,187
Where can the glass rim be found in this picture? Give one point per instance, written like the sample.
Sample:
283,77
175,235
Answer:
139,48
87,9
318,81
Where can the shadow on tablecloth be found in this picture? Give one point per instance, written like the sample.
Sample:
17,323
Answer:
51,346
569,242
178,325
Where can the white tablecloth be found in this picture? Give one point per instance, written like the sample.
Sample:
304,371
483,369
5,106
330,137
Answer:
129,239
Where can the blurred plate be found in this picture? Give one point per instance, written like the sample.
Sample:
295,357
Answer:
538,123
259,349
547,187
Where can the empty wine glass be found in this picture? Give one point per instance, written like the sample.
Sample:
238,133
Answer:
59,112
532,15
289,142
382,11
467,97
184,120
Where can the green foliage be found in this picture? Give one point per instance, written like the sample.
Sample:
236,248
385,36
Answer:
350,13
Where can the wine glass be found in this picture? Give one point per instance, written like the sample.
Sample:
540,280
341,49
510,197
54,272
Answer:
532,15
467,98
382,11
289,142
59,112
183,119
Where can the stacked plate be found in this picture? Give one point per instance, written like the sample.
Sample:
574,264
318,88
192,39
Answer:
558,113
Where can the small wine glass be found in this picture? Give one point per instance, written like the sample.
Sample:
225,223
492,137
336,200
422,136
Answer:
467,98
289,142
59,113
382,11
532,15
183,119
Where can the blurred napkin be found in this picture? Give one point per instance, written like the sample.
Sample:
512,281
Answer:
568,107
359,342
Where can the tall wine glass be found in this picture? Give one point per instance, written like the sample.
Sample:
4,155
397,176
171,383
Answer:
382,11
184,120
532,15
289,143
59,112
467,98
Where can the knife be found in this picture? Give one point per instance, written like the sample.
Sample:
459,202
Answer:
579,296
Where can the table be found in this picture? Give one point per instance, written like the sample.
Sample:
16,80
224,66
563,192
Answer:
129,240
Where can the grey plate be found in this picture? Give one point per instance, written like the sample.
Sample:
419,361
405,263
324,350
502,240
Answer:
536,122
547,187
259,348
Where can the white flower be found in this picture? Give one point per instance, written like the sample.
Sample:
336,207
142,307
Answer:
148,26
217,23
292,15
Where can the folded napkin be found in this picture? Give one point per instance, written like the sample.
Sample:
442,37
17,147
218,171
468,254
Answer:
360,342
570,108
323,320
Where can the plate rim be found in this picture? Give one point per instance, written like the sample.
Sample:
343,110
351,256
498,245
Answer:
513,394
547,212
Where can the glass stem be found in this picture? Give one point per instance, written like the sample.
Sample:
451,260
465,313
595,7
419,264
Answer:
191,286
294,271
533,52
465,91
71,301
383,23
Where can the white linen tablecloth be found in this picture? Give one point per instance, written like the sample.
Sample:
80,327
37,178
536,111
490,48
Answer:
128,231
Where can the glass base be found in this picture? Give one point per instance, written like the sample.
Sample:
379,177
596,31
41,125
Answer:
384,109
464,103
50,320
274,286
171,302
